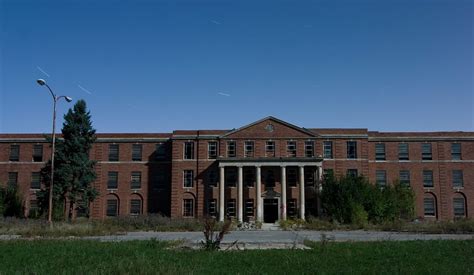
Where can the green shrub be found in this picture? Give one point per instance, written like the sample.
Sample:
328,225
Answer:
354,200
10,202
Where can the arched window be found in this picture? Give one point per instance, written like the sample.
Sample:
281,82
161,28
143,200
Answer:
188,208
429,205
136,205
459,206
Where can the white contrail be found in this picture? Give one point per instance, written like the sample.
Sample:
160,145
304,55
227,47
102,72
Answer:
84,89
216,22
41,70
223,94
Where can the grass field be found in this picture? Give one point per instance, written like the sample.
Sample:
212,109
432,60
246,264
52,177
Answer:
153,257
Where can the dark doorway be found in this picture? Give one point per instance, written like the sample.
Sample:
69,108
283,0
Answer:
270,210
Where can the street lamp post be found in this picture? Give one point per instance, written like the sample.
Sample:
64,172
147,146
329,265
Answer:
42,82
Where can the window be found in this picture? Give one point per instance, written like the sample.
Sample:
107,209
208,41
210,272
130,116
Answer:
231,207
270,179
459,207
34,208
327,149
14,152
136,182
137,152
212,207
405,177
38,152
292,208
249,177
212,150
231,149
135,207
188,208
426,151
380,151
351,149
249,212
188,178
456,151
189,150
12,179
270,149
112,181
35,181
291,148
309,148
82,209
212,178
429,206
112,208
403,151
248,152
381,177
113,152
291,176
458,181
231,177
427,178
352,173
160,150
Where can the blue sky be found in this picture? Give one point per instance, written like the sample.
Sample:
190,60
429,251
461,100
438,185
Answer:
155,66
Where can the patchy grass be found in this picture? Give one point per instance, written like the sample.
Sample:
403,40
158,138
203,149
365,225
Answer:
153,257
84,227
462,226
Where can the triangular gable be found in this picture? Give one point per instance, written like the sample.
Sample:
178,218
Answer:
269,127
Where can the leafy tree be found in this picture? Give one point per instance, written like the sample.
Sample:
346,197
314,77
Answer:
73,170
10,202
355,200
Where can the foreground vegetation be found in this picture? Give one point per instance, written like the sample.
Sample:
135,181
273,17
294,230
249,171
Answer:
153,257
85,227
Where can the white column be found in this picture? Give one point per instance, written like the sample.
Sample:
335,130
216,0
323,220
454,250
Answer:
320,172
221,193
240,195
302,199
259,193
283,193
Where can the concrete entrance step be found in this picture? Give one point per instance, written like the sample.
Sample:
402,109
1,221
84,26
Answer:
270,226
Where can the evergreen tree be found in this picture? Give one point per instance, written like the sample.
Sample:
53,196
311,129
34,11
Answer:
74,171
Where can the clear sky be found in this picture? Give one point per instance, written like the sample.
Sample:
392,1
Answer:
155,66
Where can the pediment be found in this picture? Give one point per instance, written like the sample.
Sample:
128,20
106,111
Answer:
270,127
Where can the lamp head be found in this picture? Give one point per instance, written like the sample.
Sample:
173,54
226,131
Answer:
41,82
68,99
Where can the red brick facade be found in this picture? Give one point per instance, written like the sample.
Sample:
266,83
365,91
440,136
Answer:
162,172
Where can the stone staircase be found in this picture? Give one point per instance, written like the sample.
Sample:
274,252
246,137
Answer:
270,227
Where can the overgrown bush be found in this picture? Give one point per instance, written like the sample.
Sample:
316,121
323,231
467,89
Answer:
214,233
354,200
10,202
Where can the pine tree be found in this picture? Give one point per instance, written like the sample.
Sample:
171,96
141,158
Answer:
74,171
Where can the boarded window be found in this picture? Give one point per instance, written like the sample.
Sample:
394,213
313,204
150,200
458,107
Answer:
135,207
112,208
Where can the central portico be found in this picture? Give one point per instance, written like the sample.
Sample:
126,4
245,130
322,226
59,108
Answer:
269,200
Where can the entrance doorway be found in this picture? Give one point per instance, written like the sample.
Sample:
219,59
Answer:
270,210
